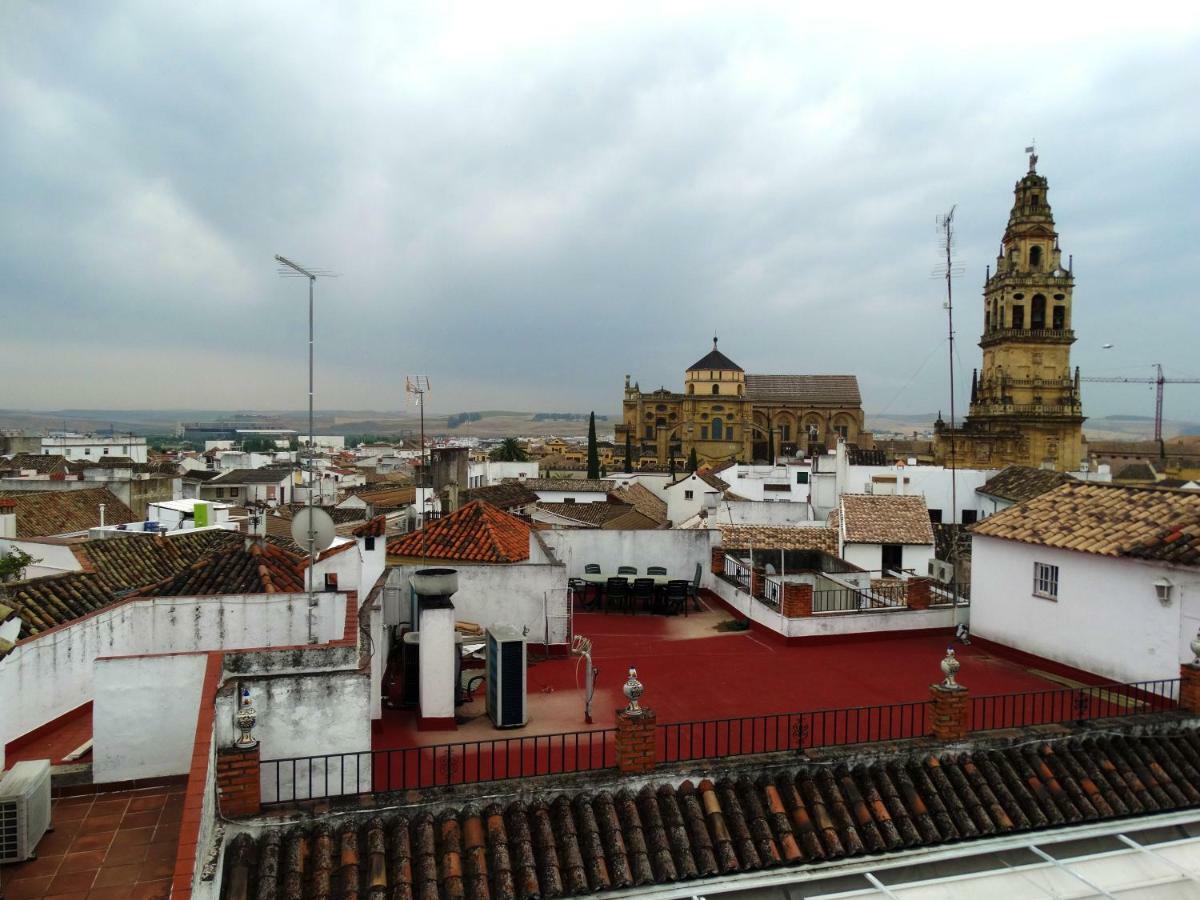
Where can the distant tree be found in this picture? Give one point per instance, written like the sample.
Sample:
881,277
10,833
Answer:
593,457
692,464
258,445
628,452
671,464
510,450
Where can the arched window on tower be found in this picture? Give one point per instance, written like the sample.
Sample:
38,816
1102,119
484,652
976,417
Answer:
1035,257
716,389
718,430
1059,318
1037,312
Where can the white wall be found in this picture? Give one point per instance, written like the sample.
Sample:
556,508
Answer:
1107,618
751,481
578,496
144,715
48,675
679,507
870,556
51,559
753,512
677,549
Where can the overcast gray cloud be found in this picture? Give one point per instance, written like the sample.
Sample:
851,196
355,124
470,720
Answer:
527,202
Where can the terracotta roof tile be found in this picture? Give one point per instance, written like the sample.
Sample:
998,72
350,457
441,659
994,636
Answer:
45,513
508,495
885,519
644,501
1108,519
1019,483
582,485
630,835
42,463
835,390
261,568
779,537
588,515
478,532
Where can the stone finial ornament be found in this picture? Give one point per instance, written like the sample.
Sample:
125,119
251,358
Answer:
950,667
1196,649
245,718
633,691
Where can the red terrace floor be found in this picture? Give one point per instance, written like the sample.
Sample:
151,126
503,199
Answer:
61,737
118,846
692,672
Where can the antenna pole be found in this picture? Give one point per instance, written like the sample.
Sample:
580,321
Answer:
949,242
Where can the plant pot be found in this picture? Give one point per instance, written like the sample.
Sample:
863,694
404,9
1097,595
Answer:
435,582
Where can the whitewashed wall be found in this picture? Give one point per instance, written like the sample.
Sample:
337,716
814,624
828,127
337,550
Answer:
753,512
679,507
518,595
46,676
52,559
563,496
870,556
144,715
677,549
1107,618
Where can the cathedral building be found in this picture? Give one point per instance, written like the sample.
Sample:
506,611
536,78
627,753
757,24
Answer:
725,414
1025,401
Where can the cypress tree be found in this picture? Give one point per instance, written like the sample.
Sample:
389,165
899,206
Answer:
628,452
692,463
593,459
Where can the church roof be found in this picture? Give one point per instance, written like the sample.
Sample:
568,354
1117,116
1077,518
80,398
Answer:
715,361
838,390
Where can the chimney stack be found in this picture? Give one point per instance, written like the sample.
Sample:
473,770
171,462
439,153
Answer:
438,662
8,518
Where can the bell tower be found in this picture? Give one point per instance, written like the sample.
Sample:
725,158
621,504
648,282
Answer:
1026,396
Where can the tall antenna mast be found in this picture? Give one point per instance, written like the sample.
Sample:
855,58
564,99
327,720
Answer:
945,227
417,386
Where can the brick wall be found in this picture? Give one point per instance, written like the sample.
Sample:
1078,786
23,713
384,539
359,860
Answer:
635,741
238,782
1189,688
758,579
948,713
797,600
918,593
718,560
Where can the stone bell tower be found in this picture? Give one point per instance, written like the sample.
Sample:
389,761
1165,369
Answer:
1025,401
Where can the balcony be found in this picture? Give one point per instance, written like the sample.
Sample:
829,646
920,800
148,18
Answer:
1026,409
1028,335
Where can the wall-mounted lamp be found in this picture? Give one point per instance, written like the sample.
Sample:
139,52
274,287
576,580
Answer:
1163,588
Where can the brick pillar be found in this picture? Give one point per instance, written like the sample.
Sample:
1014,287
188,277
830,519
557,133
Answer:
1189,688
918,593
635,741
718,560
238,782
797,600
757,579
949,713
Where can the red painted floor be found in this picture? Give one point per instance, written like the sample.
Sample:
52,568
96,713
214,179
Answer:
692,672
67,735
113,846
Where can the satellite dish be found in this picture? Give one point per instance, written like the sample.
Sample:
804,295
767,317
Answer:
316,520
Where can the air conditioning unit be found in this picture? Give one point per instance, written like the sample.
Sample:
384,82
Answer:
869,487
940,571
393,598
24,809
506,686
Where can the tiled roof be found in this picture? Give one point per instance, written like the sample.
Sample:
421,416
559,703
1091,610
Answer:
592,515
44,513
1020,483
265,475
582,485
477,532
134,560
707,477
375,527
506,495
715,361
200,475
42,463
261,568
633,835
779,537
339,516
885,519
1108,519
631,520
54,599
644,501
1136,471
389,497
832,390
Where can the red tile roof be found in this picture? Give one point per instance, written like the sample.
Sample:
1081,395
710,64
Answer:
261,568
476,533
46,513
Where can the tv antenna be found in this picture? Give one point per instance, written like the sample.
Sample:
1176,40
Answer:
948,271
417,386
289,269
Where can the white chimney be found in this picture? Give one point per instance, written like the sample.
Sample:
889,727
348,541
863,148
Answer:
438,669
8,518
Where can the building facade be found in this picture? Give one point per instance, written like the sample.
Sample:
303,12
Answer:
726,414
1025,401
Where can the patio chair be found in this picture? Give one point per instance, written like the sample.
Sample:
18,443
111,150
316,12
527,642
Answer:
591,569
627,570
694,588
578,588
675,596
616,594
656,570
643,593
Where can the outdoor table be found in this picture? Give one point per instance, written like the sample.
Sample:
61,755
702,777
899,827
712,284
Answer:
600,580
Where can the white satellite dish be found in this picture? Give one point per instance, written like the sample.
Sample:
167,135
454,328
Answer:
316,520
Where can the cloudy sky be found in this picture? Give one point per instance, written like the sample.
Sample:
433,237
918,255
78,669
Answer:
528,202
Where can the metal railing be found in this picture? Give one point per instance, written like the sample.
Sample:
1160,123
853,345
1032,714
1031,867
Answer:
681,741
737,572
852,600
438,765
1073,704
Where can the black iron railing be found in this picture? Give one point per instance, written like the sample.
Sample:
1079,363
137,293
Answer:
439,765
791,731
1073,704
844,600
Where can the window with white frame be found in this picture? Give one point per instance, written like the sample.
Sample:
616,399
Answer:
1045,581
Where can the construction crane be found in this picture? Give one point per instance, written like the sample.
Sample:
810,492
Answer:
1158,381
